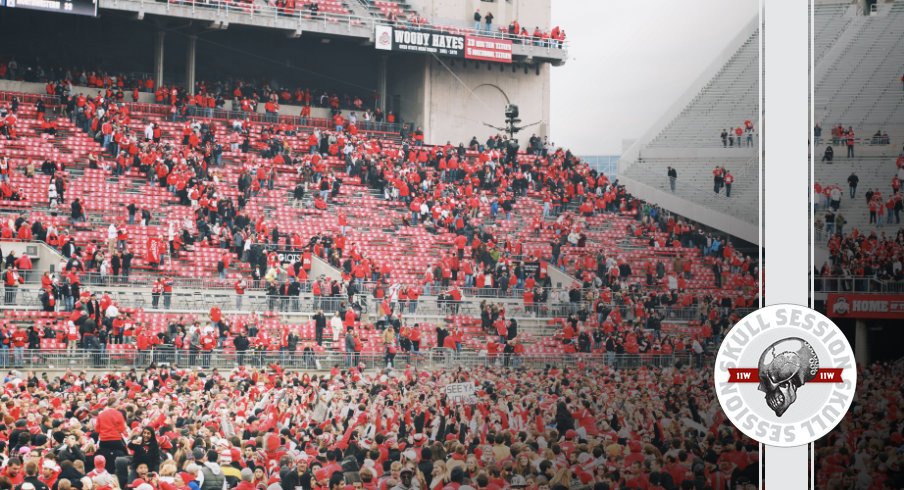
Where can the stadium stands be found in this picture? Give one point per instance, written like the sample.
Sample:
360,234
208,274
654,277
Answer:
98,192
392,10
696,182
861,86
831,21
711,125
728,99
874,174
381,232
512,273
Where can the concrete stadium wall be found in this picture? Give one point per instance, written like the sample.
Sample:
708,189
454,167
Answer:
560,278
406,87
320,267
43,257
452,99
461,96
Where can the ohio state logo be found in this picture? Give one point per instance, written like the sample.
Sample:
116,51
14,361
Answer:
785,375
384,38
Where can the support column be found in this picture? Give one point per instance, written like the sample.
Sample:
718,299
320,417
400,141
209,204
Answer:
159,43
190,64
861,343
382,74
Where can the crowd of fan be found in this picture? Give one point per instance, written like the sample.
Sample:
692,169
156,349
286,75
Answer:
864,450
734,137
881,208
866,255
245,94
848,139
443,187
167,429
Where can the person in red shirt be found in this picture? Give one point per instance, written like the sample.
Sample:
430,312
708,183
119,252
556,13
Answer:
11,281
144,343
19,340
13,471
111,429
216,316
208,343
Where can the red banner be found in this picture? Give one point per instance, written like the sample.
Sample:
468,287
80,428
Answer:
154,250
752,375
488,49
881,306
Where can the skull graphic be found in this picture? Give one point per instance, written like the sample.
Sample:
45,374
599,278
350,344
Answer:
784,367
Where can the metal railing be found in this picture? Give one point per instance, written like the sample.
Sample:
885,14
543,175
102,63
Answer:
449,27
306,305
305,19
857,284
163,110
112,357
27,98
250,9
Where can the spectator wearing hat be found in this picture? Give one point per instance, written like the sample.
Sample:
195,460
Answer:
50,471
300,476
211,476
408,479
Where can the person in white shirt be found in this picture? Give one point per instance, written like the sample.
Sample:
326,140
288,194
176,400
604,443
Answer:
698,353
336,326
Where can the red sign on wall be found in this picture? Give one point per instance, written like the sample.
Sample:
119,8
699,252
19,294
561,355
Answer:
488,49
881,306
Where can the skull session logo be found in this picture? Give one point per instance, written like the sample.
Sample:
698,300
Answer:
782,374
803,380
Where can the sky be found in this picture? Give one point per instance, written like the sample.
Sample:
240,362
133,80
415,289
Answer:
629,61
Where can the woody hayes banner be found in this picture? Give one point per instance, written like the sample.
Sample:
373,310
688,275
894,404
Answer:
444,44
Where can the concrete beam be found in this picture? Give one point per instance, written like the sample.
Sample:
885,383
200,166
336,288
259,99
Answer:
190,65
159,44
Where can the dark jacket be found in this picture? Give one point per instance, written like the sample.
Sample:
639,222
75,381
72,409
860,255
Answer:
147,453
